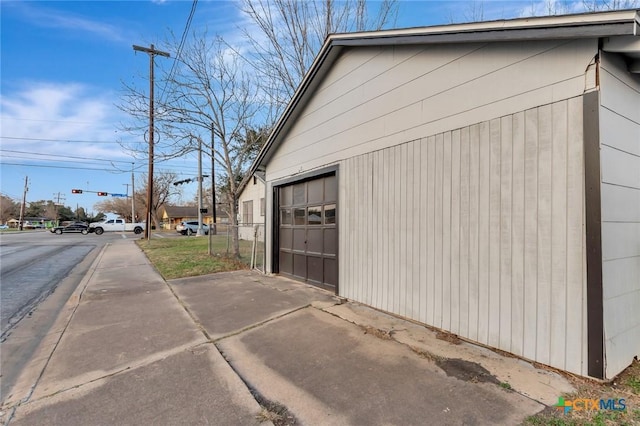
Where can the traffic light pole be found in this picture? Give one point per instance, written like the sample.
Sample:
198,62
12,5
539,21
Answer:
152,53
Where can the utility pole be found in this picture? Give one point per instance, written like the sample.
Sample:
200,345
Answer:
213,180
152,53
200,231
212,228
127,185
133,196
57,197
23,206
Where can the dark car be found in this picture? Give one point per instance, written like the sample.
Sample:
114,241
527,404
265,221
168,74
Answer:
73,227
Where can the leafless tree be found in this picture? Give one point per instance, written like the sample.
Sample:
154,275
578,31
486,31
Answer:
163,191
208,89
599,5
287,35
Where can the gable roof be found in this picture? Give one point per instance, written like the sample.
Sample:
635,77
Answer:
623,26
258,174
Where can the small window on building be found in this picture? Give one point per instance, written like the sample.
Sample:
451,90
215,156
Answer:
285,217
314,215
247,212
262,206
299,216
330,214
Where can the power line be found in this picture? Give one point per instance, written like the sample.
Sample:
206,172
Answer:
65,156
180,46
49,121
65,167
56,140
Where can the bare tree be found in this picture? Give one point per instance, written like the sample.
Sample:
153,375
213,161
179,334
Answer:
207,90
163,191
290,34
598,5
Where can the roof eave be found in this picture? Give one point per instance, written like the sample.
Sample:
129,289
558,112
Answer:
591,25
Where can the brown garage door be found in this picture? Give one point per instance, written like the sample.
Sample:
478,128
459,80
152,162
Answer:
308,234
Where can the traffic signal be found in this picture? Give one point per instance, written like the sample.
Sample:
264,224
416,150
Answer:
102,194
76,191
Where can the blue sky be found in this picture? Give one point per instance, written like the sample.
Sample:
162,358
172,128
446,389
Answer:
62,68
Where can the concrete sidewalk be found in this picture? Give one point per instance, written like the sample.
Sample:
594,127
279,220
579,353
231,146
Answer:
244,348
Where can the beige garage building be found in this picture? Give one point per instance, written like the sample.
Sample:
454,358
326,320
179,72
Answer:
483,179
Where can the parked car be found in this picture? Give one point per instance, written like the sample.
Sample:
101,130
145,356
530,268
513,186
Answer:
190,228
83,228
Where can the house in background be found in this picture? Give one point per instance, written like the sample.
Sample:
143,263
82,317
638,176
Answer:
173,215
251,207
480,178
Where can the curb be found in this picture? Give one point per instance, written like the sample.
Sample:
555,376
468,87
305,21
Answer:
31,374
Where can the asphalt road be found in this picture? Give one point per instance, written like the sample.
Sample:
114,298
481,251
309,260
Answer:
38,270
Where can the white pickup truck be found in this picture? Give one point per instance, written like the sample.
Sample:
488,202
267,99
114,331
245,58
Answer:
115,225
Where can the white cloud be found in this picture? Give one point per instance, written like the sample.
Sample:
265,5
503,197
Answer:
42,116
62,20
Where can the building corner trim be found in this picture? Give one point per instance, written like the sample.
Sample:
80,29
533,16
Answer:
593,222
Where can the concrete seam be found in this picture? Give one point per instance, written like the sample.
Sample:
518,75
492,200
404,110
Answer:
260,324
257,396
148,361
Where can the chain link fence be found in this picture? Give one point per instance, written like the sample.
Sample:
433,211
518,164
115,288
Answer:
251,239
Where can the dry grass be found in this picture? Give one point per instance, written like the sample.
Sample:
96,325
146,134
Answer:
180,257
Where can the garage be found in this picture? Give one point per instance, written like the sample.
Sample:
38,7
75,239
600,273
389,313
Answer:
308,241
488,183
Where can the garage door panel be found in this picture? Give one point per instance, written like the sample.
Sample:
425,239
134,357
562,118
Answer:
330,188
286,238
299,194
300,266
330,238
286,262
330,271
314,241
315,190
286,195
299,239
315,270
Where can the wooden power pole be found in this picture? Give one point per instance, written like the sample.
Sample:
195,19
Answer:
152,53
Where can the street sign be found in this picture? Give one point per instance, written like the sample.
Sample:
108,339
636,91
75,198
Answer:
118,195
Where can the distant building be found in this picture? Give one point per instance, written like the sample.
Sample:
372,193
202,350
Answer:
173,215
251,207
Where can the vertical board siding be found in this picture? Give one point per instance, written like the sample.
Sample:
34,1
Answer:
518,301
478,231
575,290
620,189
506,231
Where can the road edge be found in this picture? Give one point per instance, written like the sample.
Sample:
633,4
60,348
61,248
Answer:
30,376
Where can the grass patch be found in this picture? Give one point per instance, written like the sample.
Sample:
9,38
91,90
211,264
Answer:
626,386
180,257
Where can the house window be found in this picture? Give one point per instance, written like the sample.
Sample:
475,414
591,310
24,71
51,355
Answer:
247,212
262,206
